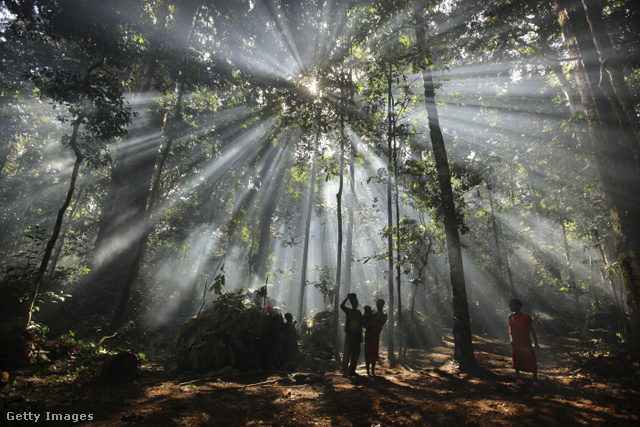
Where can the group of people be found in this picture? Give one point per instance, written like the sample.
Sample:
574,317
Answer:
282,338
520,330
280,346
371,322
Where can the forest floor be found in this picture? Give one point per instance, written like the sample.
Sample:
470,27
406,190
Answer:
578,387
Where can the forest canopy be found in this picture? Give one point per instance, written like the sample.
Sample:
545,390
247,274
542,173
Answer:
445,156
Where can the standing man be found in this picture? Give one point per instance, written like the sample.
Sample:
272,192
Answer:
352,336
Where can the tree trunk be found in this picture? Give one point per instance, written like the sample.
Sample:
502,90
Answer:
613,127
602,247
462,325
60,244
337,296
391,346
573,285
185,15
398,241
307,227
352,207
5,151
122,221
277,164
499,277
141,244
37,280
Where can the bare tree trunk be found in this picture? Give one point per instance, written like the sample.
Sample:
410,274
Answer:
398,244
307,227
352,207
37,280
494,226
124,213
391,346
186,15
573,285
60,244
5,151
605,259
337,296
462,325
509,275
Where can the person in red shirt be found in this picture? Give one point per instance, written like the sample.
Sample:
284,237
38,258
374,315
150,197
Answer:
521,331
377,319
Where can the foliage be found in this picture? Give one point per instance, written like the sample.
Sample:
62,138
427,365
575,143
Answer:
227,333
230,90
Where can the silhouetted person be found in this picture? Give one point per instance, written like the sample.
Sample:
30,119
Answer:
523,356
352,336
290,338
274,339
366,316
374,324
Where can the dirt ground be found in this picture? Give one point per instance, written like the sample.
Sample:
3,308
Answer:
427,389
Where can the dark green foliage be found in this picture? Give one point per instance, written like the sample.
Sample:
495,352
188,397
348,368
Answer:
228,333
16,276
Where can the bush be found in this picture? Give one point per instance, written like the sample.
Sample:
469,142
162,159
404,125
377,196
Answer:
228,333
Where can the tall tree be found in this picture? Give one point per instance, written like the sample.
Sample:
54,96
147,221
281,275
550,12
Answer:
90,90
613,126
462,325
307,226
123,227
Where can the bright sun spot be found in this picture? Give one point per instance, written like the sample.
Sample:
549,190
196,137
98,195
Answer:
313,87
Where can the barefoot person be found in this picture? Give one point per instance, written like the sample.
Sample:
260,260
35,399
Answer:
520,329
377,319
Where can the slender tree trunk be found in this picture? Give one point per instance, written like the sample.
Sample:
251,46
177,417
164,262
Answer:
60,244
494,227
271,189
462,325
352,206
613,126
509,275
337,296
391,339
573,285
38,278
409,322
605,259
5,151
307,227
398,244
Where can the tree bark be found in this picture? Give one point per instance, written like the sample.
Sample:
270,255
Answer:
352,207
336,312
122,226
462,325
494,226
391,340
307,227
398,238
60,244
613,127
573,285
37,280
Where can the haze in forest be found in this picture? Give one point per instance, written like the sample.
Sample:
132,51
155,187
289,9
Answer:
197,123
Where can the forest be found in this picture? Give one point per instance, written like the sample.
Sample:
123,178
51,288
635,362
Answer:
174,172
